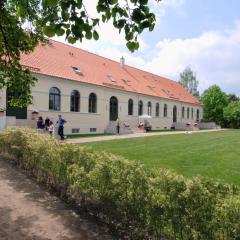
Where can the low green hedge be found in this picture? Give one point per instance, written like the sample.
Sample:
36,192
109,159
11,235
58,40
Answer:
146,204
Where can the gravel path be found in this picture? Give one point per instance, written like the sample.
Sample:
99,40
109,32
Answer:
134,135
27,212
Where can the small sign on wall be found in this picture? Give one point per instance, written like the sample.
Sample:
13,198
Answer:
34,115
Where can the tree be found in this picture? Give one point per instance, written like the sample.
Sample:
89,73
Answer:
214,101
189,81
232,114
59,17
232,97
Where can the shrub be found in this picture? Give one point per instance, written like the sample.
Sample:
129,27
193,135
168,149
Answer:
232,114
227,218
147,204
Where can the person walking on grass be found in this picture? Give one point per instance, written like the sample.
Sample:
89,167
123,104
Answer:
60,123
118,125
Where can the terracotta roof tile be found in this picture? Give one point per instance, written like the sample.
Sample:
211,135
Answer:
58,59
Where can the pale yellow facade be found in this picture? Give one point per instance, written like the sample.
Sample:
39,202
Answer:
99,121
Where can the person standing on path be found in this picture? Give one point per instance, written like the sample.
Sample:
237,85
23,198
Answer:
118,125
47,123
60,123
51,128
40,124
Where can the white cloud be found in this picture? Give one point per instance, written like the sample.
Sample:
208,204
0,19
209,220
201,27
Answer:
166,3
215,56
160,8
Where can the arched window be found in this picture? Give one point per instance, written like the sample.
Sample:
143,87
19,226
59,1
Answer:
130,107
113,108
157,109
165,110
192,113
75,101
175,114
54,99
188,113
140,108
149,109
198,115
183,112
92,103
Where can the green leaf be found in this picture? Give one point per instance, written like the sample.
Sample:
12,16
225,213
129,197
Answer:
49,31
83,14
121,23
143,2
95,35
152,27
88,35
65,15
130,46
60,31
145,24
52,3
72,40
79,4
129,36
103,18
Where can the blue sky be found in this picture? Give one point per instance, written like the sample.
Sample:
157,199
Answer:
202,34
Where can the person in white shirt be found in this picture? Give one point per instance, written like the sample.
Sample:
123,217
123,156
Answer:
51,128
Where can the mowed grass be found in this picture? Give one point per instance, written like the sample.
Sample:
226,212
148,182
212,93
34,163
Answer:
215,155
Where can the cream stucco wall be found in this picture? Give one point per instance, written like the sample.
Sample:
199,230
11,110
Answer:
3,98
99,120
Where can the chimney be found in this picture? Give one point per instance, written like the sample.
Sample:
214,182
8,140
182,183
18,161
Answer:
122,62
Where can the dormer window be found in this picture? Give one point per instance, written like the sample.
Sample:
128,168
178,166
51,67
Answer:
111,78
77,70
127,82
151,88
166,91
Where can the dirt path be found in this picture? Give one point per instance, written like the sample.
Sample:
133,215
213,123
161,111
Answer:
27,212
134,135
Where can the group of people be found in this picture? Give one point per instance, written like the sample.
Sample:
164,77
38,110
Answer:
146,126
48,126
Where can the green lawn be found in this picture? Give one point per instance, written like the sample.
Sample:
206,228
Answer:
215,155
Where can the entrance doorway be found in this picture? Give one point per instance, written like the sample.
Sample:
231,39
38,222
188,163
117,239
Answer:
174,114
113,109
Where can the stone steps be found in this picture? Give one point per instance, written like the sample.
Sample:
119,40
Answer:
125,128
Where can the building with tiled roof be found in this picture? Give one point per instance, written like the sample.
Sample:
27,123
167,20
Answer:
91,91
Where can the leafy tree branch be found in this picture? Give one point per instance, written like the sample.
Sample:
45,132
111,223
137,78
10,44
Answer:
59,17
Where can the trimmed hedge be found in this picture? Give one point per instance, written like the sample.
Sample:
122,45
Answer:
147,204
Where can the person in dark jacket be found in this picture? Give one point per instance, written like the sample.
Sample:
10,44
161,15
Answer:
40,124
47,123
118,125
60,123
